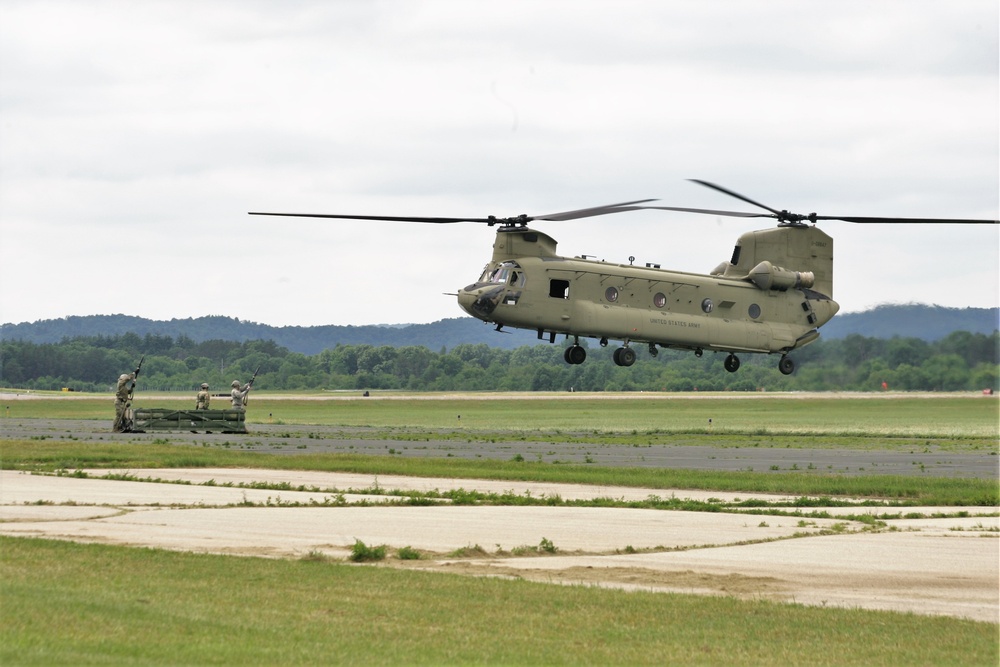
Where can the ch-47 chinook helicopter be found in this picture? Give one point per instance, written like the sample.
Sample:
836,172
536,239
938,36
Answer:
771,297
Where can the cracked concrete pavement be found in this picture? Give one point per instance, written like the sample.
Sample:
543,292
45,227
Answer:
948,565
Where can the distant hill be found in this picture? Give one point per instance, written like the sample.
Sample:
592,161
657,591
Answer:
446,333
913,320
929,323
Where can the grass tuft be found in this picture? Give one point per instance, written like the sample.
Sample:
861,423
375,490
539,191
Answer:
362,553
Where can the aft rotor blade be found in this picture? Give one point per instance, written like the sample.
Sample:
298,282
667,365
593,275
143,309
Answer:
595,210
909,221
786,217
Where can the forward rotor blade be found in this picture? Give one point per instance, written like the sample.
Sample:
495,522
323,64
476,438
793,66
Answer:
595,210
519,220
734,214
734,194
390,218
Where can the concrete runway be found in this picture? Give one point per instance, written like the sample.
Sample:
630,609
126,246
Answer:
947,566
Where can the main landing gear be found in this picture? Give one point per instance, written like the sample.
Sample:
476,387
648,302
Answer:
732,363
575,354
624,356
786,365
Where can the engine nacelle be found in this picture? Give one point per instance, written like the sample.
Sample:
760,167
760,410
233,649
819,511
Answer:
768,276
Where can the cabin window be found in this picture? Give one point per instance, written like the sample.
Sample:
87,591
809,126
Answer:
753,311
611,294
659,300
559,289
707,305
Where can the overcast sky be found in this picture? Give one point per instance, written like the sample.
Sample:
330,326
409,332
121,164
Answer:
136,136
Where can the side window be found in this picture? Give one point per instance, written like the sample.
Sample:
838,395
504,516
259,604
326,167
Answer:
559,289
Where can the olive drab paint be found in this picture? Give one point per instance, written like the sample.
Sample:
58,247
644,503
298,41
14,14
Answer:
766,301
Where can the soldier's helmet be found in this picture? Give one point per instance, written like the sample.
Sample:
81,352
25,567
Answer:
123,377
204,385
236,384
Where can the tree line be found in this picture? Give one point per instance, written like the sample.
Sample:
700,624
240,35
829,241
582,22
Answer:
958,362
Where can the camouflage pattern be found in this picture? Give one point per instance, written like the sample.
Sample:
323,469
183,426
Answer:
203,400
121,400
239,395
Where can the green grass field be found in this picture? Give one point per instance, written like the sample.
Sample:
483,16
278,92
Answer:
76,604
65,603
967,415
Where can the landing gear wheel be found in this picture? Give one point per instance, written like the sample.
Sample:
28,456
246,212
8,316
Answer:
786,365
575,354
732,363
624,356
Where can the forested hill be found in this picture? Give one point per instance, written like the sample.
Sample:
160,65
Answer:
929,323
446,333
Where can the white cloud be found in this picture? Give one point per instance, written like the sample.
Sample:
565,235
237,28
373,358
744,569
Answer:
143,132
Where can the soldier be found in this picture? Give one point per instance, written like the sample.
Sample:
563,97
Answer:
203,398
239,395
121,400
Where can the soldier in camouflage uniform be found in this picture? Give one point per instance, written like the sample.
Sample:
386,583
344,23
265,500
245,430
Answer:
239,395
203,398
121,400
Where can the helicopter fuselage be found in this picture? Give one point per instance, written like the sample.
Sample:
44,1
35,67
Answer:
752,304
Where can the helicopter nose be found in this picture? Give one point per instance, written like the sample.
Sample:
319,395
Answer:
466,299
480,301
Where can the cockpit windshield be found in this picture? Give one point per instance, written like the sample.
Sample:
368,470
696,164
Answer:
508,273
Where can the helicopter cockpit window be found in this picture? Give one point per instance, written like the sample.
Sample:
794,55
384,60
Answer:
508,273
